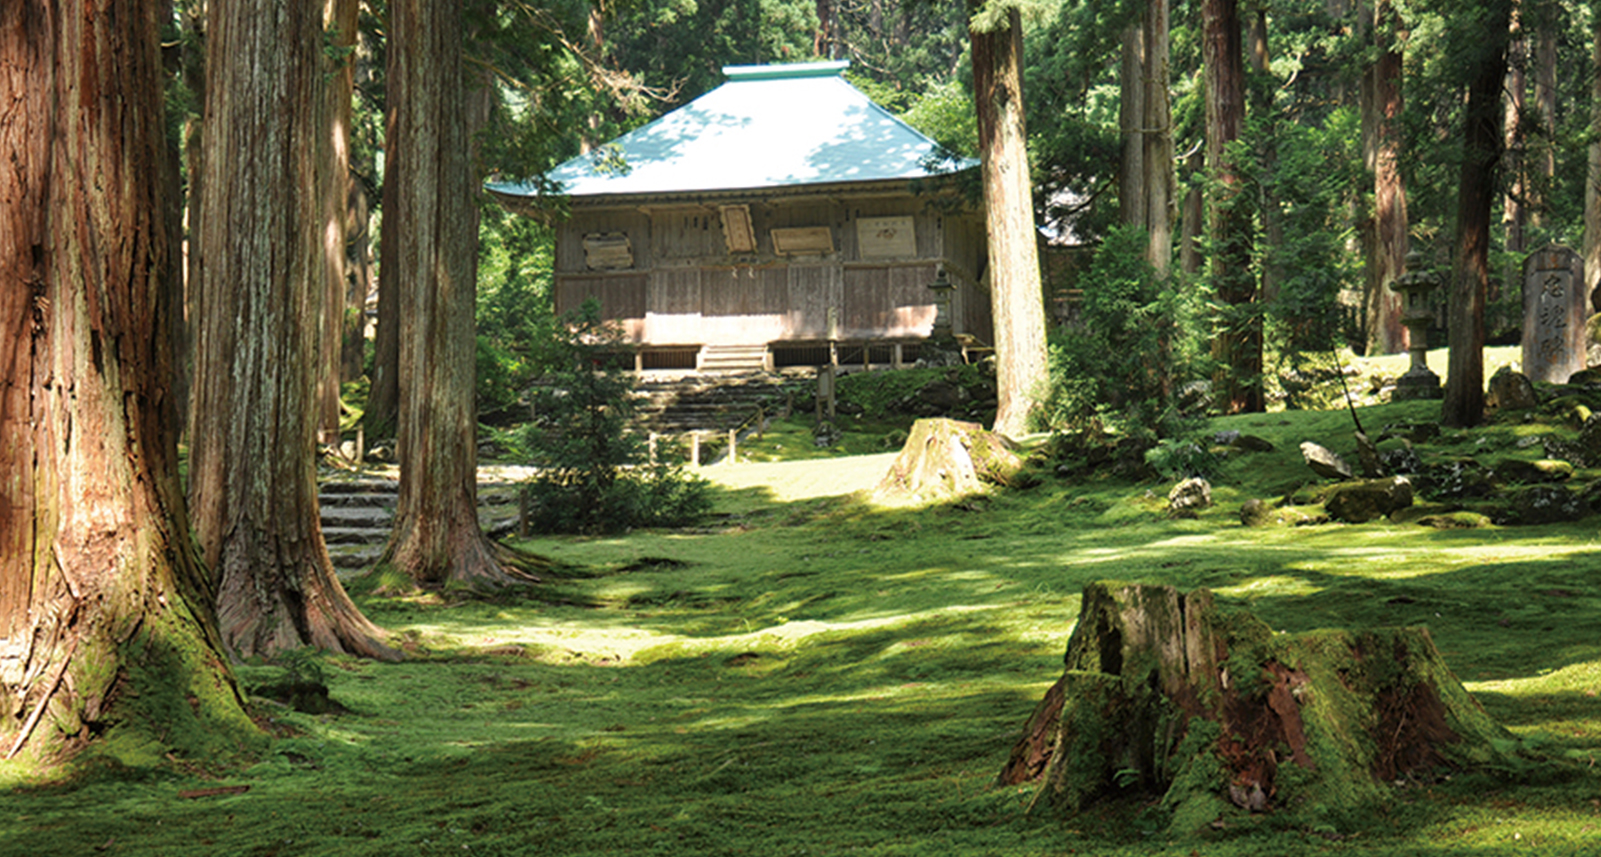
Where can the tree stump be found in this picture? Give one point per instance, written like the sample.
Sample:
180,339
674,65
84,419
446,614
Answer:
947,459
1219,716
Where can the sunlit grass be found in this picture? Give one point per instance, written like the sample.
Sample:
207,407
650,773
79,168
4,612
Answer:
812,673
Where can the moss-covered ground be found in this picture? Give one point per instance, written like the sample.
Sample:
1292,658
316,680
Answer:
810,674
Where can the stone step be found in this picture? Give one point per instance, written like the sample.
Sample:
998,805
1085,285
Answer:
352,558
371,517
355,535
359,486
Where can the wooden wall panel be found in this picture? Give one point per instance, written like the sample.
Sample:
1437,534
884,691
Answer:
888,301
621,296
813,290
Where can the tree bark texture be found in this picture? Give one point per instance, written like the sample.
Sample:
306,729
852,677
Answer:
1167,695
1470,279
1545,103
430,255
106,623
1514,214
1381,148
263,273
1146,180
333,185
1131,197
1015,293
1157,134
1237,347
1592,184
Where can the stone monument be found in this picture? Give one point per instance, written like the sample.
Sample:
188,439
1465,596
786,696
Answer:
1554,311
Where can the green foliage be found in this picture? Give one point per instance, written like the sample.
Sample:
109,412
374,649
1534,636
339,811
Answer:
1127,348
515,310
1183,458
594,472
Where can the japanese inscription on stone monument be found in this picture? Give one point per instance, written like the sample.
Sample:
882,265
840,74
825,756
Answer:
1554,309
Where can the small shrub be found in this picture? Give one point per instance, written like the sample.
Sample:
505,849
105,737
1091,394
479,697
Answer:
595,474
1116,364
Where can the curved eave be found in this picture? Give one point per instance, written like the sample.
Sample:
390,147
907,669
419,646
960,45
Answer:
942,183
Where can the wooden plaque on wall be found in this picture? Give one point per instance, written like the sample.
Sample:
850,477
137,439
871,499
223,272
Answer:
886,237
803,241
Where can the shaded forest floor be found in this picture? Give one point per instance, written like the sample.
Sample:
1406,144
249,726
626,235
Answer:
813,674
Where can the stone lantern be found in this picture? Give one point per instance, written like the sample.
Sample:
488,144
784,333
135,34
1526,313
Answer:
942,288
1416,313
941,348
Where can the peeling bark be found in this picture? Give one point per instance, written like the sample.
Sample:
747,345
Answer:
264,273
430,256
1014,281
105,610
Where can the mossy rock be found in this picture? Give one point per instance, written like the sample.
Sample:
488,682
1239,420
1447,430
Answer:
1519,471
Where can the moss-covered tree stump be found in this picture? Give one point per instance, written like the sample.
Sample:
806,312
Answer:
1213,711
945,459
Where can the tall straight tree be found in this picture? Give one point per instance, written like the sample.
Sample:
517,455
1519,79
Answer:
1381,150
334,188
106,623
1237,347
1592,187
263,277
430,255
1146,183
1157,131
1015,294
1481,34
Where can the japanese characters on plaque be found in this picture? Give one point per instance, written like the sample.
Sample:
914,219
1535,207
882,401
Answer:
1554,311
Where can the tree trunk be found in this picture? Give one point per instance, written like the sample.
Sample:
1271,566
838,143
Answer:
262,268
1514,215
430,255
106,623
334,186
1381,148
1262,87
1158,139
1545,103
947,459
1193,215
358,284
1131,196
1481,151
1592,185
1218,714
1015,292
1237,347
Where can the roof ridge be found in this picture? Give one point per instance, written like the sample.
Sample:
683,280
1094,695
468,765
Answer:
832,68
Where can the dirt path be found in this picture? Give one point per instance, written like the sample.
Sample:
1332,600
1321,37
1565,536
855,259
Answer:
804,480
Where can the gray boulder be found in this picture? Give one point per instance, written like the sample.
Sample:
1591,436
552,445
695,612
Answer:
1324,462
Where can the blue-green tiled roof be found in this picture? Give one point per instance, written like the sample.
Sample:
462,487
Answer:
767,127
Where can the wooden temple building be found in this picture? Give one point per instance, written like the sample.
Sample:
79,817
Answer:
782,219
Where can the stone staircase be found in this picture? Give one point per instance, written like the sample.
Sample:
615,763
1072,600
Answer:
706,403
357,515
733,358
